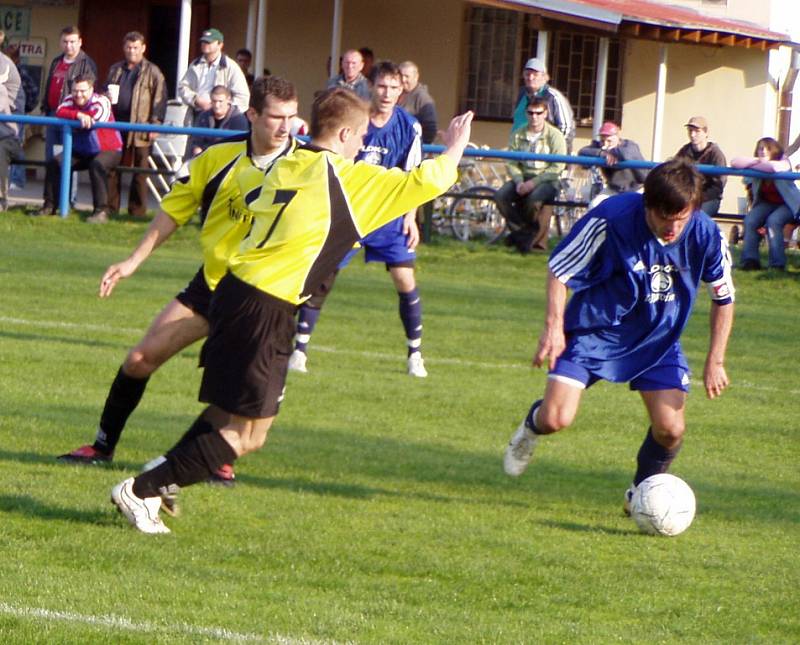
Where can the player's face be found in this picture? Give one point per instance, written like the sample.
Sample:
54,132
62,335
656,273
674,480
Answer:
81,93
534,81
271,128
386,93
133,51
220,103
668,229
70,45
352,145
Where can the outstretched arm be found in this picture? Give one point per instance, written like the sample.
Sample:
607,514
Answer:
715,378
552,341
159,230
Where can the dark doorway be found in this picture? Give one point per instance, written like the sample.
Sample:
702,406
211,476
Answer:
163,41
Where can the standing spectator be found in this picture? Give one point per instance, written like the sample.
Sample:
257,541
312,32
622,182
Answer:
775,203
536,78
369,71
93,149
30,90
416,100
245,58
12,100
613,148
138,94
700,150
64,69
207,71
222,116
351,77
532,183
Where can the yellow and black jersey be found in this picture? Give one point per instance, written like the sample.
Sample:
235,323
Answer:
211,186
313,206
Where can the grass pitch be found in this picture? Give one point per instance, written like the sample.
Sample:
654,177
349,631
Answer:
378,512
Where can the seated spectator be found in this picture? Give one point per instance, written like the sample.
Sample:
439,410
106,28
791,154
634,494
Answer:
12,101
351,77
417,102
93,149
245,58
223,115
700,150
532,183
613,148
775,203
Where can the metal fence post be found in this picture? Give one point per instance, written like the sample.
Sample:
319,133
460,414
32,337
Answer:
66,170
427,221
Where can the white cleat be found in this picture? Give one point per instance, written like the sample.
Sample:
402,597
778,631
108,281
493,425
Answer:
142,513
519,451
416,366
297,361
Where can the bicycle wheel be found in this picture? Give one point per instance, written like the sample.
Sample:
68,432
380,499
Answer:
474,213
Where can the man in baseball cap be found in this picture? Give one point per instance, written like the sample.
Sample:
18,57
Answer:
700,150
535,85
208,70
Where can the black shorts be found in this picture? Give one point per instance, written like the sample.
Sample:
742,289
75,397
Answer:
196,295
247,351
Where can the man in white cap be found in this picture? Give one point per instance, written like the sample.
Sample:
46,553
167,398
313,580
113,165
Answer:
535,79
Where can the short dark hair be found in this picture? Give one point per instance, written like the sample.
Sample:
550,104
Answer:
673,186
70,30
335,108
244,51
366,52
774,148
538,101
133,37
265,87
221,89
386,68
84,78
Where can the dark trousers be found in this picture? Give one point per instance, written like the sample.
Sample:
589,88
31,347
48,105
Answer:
98,166
10,149
136,157
527,216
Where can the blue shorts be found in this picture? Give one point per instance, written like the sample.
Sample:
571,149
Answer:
670,373
388,244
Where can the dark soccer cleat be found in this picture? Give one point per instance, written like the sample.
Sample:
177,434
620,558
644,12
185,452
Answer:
88,455
224,476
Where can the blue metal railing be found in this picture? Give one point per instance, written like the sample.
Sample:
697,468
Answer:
68,125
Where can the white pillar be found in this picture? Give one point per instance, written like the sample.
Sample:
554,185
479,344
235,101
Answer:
252,24
336,37
658,117
600,86
260,55
184,38
542,42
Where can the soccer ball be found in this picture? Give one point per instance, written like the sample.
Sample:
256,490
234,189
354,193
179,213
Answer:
663,504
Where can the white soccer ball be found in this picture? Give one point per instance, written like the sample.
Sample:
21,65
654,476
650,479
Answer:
663,504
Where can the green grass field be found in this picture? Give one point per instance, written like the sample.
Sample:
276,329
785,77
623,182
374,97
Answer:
378,512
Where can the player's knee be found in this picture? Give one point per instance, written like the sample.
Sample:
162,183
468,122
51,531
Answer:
553,418
138,365
669,433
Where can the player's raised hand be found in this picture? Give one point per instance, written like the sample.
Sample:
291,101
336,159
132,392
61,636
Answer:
114,274
457,135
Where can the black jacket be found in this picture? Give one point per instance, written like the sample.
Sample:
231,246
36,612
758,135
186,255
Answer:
82,65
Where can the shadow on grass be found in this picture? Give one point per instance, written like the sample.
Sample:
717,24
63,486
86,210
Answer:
28,506
589,528
66,340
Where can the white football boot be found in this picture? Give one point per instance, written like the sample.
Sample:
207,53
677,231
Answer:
297,361
142,513
520,450
416,366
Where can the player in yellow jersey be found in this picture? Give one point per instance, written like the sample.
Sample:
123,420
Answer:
213,188
313,206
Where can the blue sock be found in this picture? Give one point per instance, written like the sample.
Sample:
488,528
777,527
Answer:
653,458
411,315
307,319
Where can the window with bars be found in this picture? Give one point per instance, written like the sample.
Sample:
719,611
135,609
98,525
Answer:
499,43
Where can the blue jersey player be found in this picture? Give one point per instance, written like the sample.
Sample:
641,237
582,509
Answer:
634,265
393,140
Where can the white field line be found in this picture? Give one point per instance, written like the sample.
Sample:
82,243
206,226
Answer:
122,623
54,324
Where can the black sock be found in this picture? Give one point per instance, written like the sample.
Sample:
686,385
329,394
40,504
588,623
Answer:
123,397
653,458
200,426
192,462
529,418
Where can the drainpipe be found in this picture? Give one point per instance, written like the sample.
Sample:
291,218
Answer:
785,101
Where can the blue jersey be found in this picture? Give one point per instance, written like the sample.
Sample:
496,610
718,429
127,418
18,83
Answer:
633,294
397,144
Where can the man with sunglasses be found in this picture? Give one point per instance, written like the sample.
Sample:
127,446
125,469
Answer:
533,183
